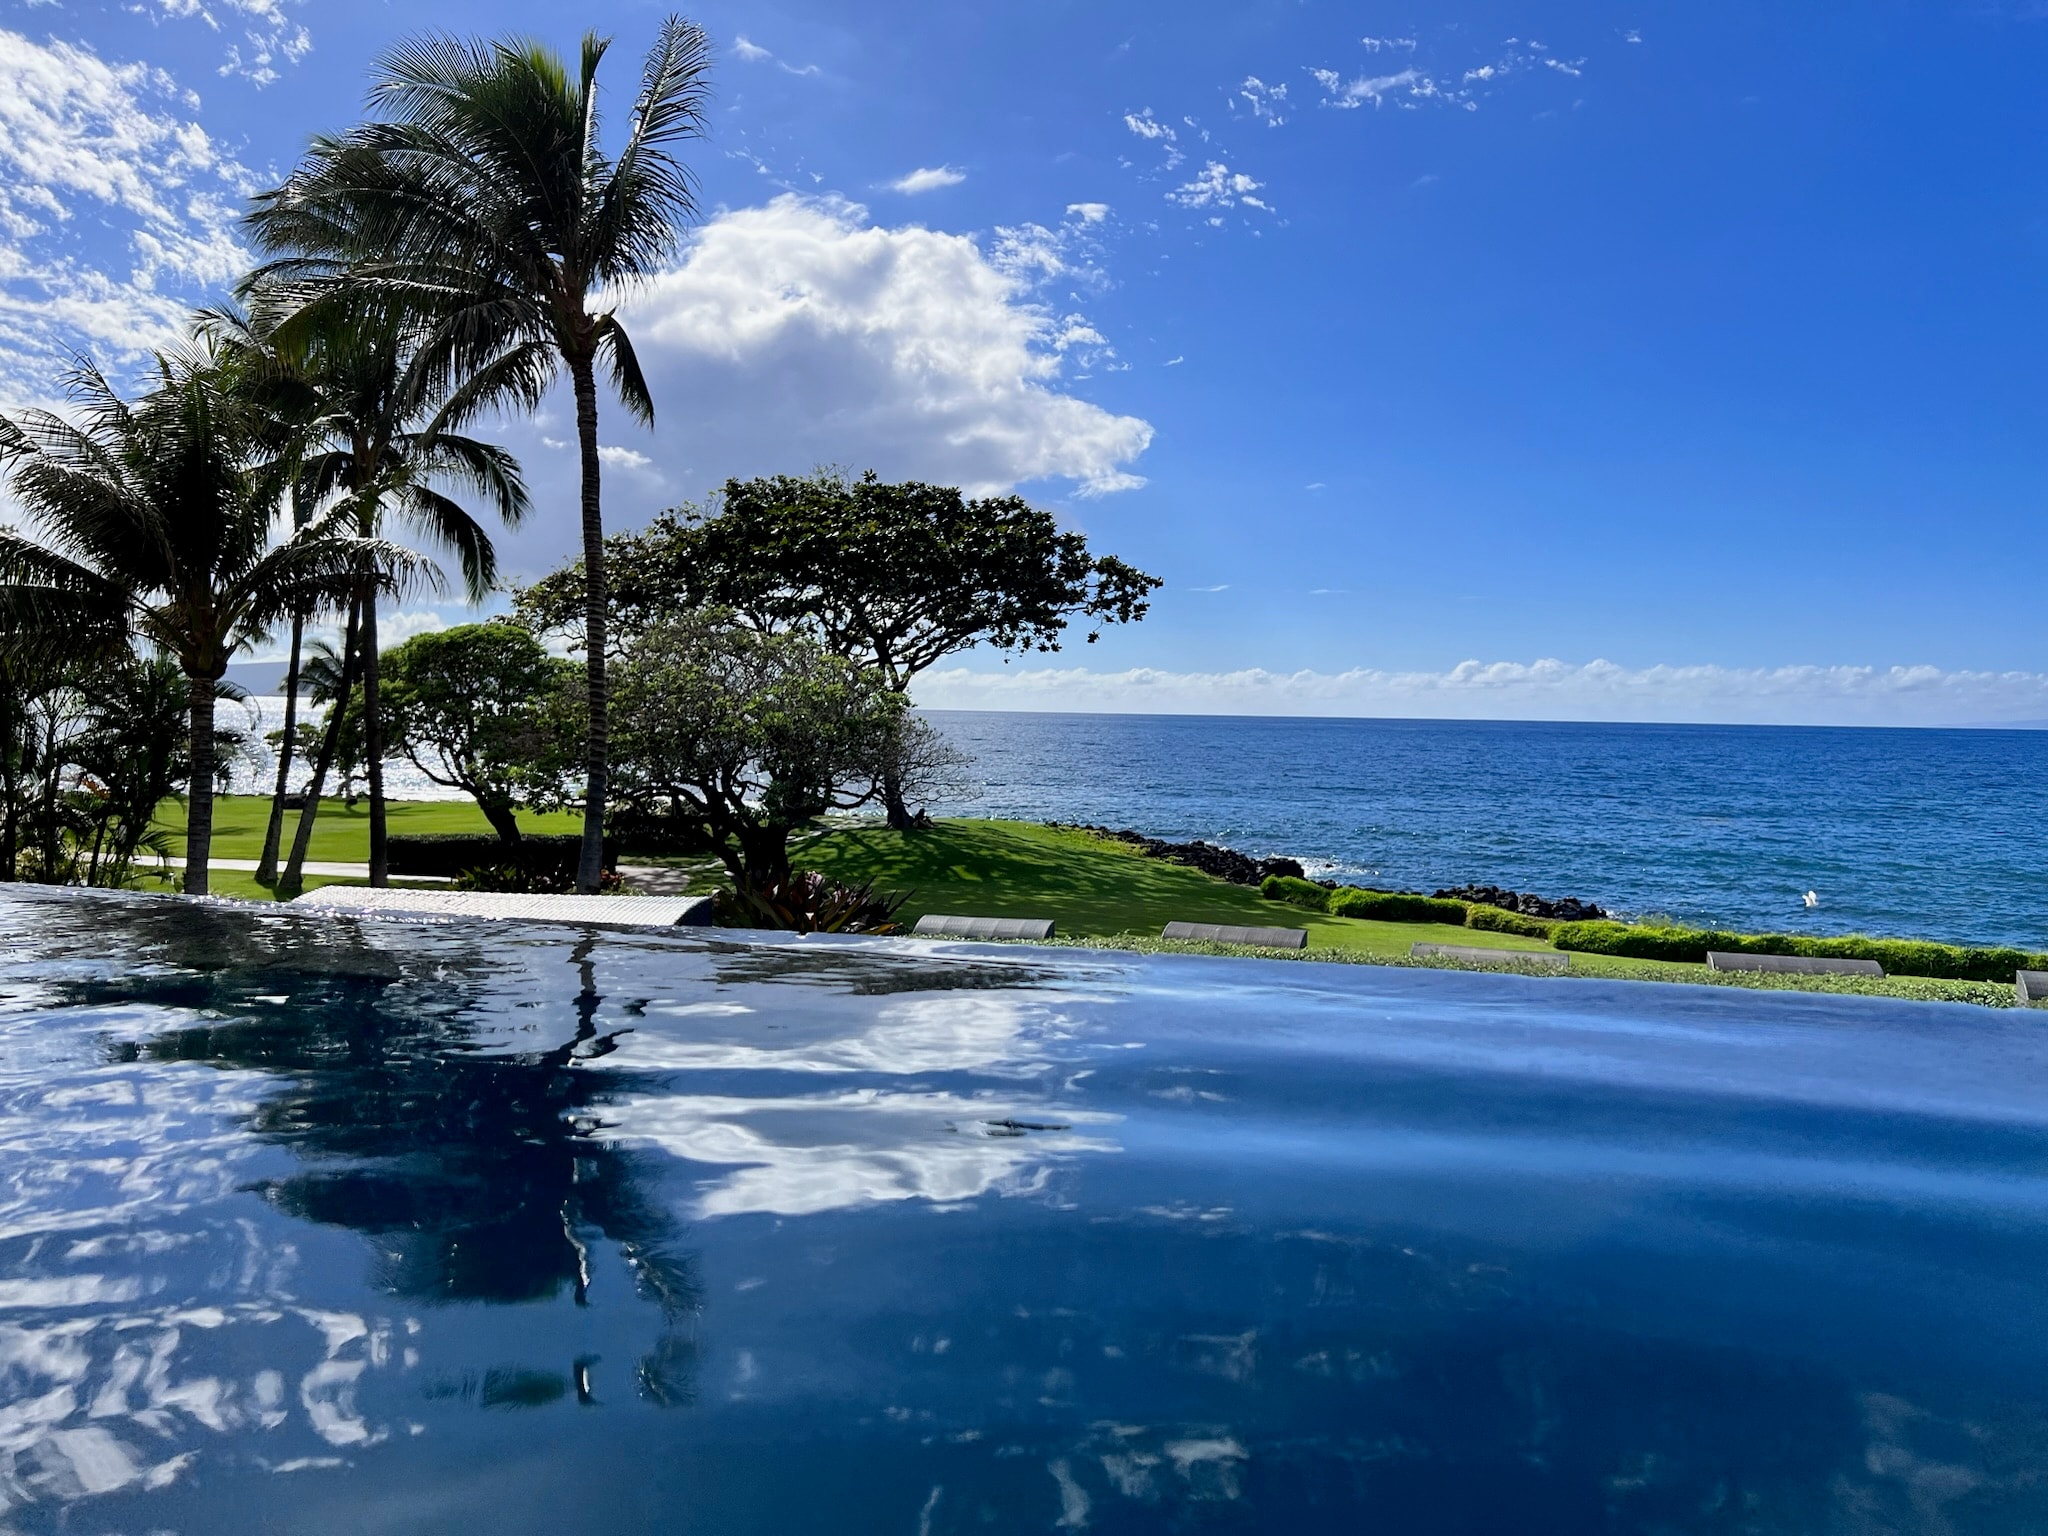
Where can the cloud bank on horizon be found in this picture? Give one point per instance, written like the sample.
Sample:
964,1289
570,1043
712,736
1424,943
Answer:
1509,690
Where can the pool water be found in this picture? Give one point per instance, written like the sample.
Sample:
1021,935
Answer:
325,1225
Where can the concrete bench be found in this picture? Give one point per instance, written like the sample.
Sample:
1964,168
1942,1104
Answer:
2032,987
607,911
937,925
1473,956
1225,933
1795,965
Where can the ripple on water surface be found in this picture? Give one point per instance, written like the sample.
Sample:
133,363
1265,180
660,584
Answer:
325,1225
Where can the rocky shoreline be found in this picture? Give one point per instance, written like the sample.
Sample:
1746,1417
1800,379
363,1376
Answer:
1243,869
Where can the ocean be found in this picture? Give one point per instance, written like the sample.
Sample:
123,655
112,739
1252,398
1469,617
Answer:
1918,833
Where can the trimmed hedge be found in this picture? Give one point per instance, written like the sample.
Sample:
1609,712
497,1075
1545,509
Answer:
1899,957
1355,901
454,853
1305,894
1394,907
1500,920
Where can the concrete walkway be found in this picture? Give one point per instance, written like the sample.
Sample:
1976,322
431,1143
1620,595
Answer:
311,867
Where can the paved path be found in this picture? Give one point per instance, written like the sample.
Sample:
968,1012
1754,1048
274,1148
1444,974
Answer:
311,867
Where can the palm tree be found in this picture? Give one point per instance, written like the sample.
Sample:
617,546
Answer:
377,437
485,201
156,524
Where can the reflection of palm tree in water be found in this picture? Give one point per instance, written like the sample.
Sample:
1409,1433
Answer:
472,1172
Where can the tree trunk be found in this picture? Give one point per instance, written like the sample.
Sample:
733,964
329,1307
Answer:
266,867
293,880
373,744
900,818
590,864
199,803
503,821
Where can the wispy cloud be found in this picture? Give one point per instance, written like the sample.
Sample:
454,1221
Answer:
751,52
1540,690
927,178
1220,587
117,210
1421,83
1148,127
1262,102
269,35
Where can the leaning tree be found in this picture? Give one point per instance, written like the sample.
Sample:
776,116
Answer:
485,200
153,521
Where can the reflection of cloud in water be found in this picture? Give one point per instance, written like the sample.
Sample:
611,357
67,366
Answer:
801,1155
1009,1036
119,1401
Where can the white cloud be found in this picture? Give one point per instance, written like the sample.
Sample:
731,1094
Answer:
929,178
1217,186
1261,101
623,458
267,32
1416,85
1380,44
1541,690
754,53
800,332
1088,213
1148,127
117,211
1406,85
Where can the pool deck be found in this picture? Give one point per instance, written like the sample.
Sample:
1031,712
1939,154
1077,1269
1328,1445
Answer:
609,911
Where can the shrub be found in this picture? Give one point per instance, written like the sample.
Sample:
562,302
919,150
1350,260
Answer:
451,853
1899,957
1305,894
1394,906
1499,920
810,902
513,879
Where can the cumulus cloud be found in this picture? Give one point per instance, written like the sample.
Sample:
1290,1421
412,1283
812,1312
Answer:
1261,101
928,178
623,458
117,211
1505,690
800,332
1088,213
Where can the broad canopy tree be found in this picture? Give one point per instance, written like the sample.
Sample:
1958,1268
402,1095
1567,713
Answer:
893,577
483,708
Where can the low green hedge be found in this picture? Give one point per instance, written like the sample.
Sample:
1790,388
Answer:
1500,920
1355,901
1394,907
1899,957
452,853
1305,894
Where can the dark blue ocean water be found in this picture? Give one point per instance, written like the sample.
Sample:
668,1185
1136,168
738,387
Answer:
1938,834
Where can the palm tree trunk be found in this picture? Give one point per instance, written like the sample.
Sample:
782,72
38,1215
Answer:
373,745
199,813
266,867
596,783
293,880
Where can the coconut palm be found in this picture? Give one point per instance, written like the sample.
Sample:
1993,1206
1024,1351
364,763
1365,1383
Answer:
155,523
379,439
485,199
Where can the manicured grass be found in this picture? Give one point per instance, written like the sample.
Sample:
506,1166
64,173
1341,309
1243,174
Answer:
1088,886
340,835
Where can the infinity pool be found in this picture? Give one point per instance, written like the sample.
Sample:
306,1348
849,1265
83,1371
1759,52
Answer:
333,1226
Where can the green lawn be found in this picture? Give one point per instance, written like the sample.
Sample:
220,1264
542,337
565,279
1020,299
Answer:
340,835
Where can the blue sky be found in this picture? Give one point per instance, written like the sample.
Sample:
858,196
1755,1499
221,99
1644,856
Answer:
1615,360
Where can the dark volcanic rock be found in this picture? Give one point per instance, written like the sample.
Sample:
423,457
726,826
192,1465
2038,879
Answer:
1223,863
1567,909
